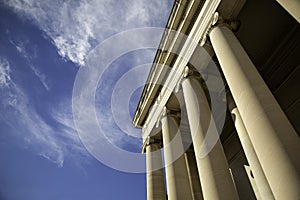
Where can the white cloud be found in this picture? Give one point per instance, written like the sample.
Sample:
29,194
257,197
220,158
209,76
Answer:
74,26
5,77
24,51
42,77
51,142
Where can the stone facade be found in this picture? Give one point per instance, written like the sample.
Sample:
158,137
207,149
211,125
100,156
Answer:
255,46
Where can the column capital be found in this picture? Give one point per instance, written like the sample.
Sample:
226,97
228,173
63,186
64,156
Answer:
191,72
150,141
232,24
170,113
213,21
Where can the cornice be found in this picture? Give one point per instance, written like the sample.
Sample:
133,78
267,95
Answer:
158,73
171,25
204,21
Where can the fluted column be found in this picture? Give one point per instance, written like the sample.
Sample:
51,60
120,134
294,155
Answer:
193,174
262,184
155,175
177,179
215,177
274,139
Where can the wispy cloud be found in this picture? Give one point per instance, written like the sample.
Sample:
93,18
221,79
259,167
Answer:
76,26
51,142
5,77
23,50
29,54
41,76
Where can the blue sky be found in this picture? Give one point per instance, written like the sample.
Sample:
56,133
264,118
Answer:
43,44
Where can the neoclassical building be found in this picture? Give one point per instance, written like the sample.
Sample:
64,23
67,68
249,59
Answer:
255,45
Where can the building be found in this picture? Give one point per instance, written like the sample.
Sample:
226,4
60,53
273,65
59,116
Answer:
256,47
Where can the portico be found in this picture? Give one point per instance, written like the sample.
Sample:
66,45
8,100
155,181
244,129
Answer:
260,133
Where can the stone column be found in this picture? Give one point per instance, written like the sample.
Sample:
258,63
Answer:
193,174
292,6
274,139
262,184
155,174
215,177
177,179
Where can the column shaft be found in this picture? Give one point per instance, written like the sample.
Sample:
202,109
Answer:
215,177
259,176
177,179
155,174
292,6
193,175
274,139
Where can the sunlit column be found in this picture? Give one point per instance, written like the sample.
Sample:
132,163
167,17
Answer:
261,182
292,6
177,179
274,139
193,174
215,177
155,174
